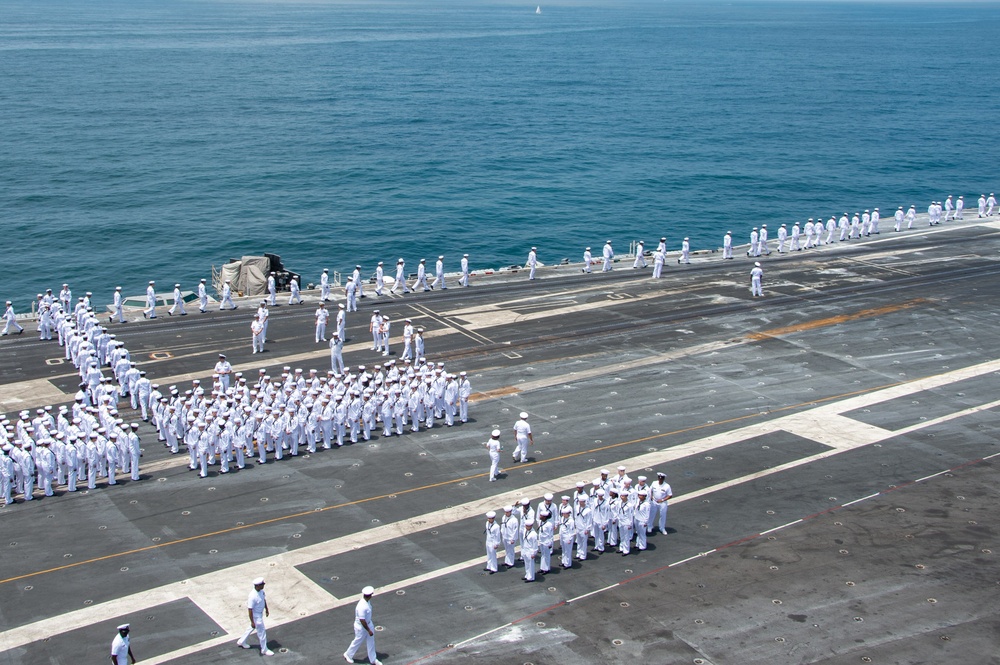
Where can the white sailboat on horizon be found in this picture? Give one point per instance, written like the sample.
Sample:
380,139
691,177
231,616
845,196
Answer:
538,9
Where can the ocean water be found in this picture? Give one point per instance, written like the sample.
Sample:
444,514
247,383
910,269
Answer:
151,139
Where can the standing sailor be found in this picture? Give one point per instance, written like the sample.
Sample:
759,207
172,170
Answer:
661,495
322,316
421,279
272,289
762,242
341,321
609,254
523,437
202,296
959,207
982,206
364,628
755,275
727,245
324,285
351,294
257,609
640,259
659,257
493,449
782,238
532,263
379,278
118,304
911,217
121,648
223,369
493,542
898,217
991,203
588,259
294,298
337,353
357,281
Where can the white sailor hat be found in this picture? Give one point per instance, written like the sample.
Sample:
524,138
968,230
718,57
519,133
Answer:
465,255
564,497
495,434
341,305
608,241
258,581
686,238
580,484
660,474
643,492
565,510
663,239
380,263
600,491
621,468
534,248
588,249
756,264
124,626
423,260
203,279
177,286
596,482
524,415
525,501
642,479
400,260
604,472
368,590
152,282
529,522
490,515
441,256
508,509
118,288
548,496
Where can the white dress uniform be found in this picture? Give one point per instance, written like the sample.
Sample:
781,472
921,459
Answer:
118,304
324,285
464,279
400,282
588,259
609,255
959,207
364,628
529,549
523,438
439,273
685,256
421,279
661,495
272,290
727,245
532,263
202,297
150,311
178,305
257,609
493,449
379,278
227,297
121,646
755,276
640,258
509,531
294,298
11,320
991,203
658,260
322,316
493,542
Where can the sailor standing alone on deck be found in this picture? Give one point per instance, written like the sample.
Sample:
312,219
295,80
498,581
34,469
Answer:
522,435
755,275
364,628
121,649
493,448
257,610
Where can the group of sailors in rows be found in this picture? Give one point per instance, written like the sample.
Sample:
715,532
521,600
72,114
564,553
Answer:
299,412
612,513
47,451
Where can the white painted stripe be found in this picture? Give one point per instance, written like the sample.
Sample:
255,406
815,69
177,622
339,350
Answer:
933,475
482,635
779,528
864,498
595,591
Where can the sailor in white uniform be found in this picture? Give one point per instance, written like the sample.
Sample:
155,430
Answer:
227,296
202,296
493,448
464,279
379,277
523,438
358,281
898,217
685,256
659,258
121,647
439,274
421,279
661,495
911,217
400,282
178,305
493,542
351,294
324,285
150,311
322,316
959,207
753,249
337,353
782,238
224,370
588,259
118,303
257,609
949,207
532,263
272,290
982,206
609,255
529,549
640,259
991,203
11,320
755,276
763,240
66,297
294,298
364,628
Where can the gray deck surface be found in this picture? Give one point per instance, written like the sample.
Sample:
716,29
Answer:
866,367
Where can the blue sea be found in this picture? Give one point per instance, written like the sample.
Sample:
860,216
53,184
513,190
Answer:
151,139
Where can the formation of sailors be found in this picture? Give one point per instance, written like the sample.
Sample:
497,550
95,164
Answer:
613,514
298,413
